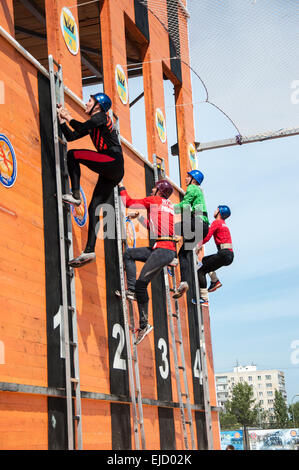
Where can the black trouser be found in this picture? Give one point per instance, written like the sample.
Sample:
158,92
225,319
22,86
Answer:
154,260
110,167
212,263
199,230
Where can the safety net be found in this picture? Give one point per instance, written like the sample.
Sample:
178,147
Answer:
243,57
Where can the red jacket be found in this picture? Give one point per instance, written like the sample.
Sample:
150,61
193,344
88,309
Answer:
220,231
160,215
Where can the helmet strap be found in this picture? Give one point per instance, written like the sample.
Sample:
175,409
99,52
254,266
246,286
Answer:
90,112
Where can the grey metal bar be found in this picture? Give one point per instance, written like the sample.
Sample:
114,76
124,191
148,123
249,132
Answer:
240,140
54,392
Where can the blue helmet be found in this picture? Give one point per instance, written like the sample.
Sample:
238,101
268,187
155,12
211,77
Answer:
103,100
224,211
197,175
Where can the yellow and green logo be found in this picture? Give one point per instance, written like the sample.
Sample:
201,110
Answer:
192,156
69,30
161,125
121,84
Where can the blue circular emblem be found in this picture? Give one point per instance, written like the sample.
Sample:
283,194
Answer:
8,162
80,212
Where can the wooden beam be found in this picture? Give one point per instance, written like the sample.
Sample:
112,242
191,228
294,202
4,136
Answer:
92,66
31,6
137,99
29,32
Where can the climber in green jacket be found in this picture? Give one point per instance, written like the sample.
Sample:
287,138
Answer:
194,224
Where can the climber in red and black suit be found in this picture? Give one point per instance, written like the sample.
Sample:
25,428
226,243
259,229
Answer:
160,222
107,161
224,256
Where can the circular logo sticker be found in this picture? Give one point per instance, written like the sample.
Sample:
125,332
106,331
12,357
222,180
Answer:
8,162
80,212
170,272
161,125
122,84
131,235
192,156
293,433
69,30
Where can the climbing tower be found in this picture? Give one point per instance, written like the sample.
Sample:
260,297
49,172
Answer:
68,377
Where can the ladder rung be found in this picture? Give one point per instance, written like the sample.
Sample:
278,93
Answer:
182,367
178,341
70,272
71,309
175,315
61,141
188,422
184,394
72,343
77,418
74,380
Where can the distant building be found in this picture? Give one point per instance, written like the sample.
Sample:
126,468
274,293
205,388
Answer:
263,382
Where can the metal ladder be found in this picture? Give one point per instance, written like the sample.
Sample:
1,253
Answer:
68,308
186,421
134,377
204,379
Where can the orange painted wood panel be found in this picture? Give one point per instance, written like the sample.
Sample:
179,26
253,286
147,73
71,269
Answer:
6,16
23,422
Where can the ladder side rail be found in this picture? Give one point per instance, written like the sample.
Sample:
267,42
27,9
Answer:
75,345
169,311
179,327
125,315
62,258
137,379
132,326
175,356
203,359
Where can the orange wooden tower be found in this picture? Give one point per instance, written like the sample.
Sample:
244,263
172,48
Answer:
96,43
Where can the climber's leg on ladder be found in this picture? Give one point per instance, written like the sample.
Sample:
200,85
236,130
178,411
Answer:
110,172
215,283
132,255
158,259
202,229
212,263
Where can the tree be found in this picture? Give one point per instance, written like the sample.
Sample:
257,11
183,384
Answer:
228,421
281,416
243,407
294,414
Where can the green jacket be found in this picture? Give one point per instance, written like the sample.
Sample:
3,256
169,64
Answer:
193,200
